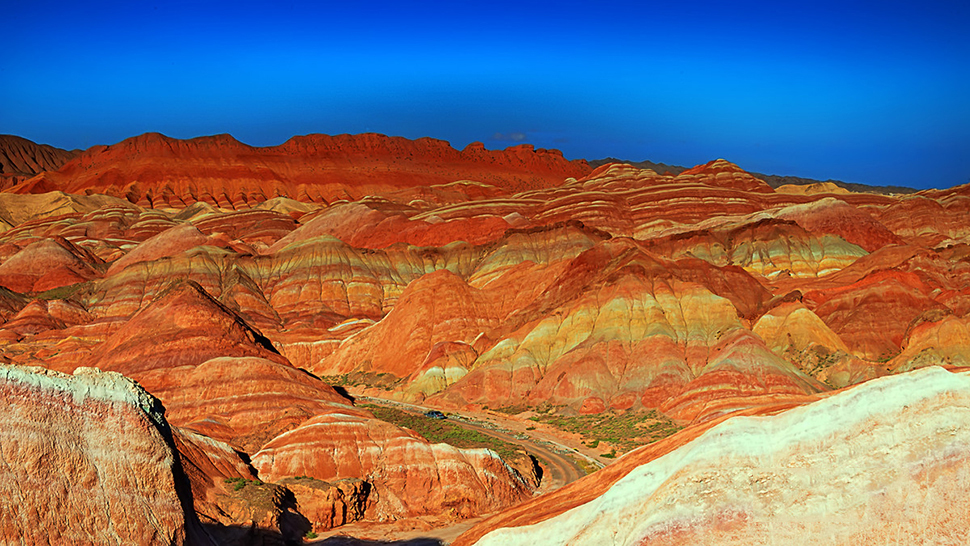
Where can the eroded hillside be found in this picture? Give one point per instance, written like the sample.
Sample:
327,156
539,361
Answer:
237,285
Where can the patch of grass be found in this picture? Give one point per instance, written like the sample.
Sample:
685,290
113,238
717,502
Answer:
307,481
815,360
512,410
886,356
384,381
63,292
585,465
623,430
441,430
310,535
254,495
239,483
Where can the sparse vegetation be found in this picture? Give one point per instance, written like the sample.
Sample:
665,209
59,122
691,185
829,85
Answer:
622,430
512,410
254,495
585,465
384,381
310,535
886,356
814,361
63,292
239,483
436,430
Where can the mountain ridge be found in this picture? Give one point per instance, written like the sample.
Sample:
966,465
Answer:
155,170
772,180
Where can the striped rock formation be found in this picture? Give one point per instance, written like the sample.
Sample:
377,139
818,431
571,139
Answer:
410,477
228,280
87,459
881,463
222,379
156,171
21,159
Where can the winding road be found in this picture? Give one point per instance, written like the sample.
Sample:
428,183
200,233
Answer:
558,465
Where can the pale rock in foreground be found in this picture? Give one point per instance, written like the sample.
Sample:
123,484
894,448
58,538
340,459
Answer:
887,462
85,459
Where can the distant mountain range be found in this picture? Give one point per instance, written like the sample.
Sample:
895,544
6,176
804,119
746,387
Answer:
773,180
21,159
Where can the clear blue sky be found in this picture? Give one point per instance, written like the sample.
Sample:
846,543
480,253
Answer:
867,92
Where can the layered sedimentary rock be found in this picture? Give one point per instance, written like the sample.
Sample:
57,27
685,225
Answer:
87,459
931,217
872,315
934,339
312,284
220,378
615,323
21,156
410,476
234,283
17,209
47,264
21,159
183,326
157,171
794,332
878,463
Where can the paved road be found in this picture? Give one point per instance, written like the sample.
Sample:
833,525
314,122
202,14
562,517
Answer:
558,468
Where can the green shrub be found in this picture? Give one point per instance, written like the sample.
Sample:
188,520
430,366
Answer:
443,431
624,430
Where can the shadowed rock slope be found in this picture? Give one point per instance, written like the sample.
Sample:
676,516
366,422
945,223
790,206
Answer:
21,159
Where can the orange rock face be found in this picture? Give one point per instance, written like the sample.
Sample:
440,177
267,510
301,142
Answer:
21,159
157,171
221,379
86,459
48,264
411,477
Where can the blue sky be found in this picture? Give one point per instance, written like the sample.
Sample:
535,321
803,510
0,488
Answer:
877,93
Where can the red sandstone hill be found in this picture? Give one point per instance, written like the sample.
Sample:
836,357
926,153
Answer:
21,156
21,159
155,170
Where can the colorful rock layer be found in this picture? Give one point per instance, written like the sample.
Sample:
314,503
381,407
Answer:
885,462
87,459
233,283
